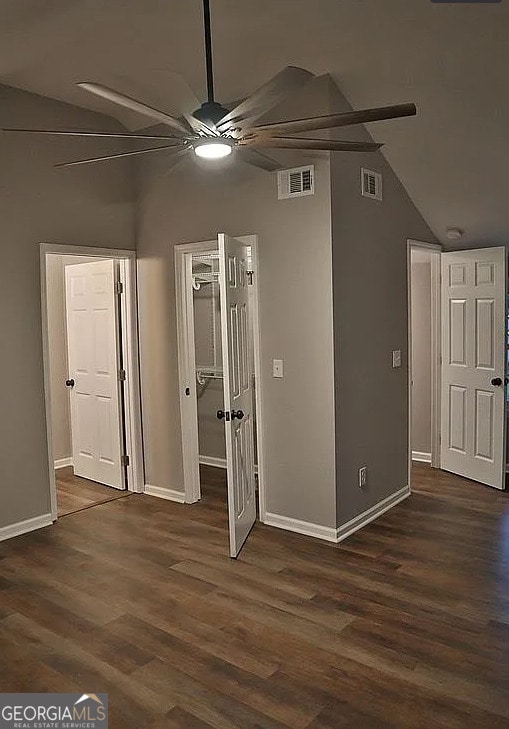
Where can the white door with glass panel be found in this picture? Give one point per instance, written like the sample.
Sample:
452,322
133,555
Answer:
93,362
474,364
234,264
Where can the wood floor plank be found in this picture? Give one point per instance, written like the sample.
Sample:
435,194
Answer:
72,659
75,493
193,641
178,718
405,625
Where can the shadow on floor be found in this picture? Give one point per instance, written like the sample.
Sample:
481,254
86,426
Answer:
75,493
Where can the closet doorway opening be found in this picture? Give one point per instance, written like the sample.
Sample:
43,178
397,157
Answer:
457,313
91,377
221,400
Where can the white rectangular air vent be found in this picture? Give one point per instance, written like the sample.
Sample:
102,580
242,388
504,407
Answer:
371,184
296,182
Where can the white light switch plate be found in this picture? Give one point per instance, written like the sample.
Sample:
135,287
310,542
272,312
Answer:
396,358
277,368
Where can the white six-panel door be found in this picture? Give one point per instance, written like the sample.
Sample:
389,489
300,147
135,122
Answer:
238,388
93,361
473,364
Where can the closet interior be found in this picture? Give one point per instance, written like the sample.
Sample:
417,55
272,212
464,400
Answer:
209,359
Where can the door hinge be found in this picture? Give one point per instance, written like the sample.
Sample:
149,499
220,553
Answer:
125,460
121,375
119,287
249,275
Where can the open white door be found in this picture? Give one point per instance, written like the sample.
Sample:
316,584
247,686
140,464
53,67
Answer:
93,357
238,389
473,364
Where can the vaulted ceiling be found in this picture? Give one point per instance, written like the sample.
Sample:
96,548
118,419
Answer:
451,59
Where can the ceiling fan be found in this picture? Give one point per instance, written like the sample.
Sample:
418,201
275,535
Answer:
213,132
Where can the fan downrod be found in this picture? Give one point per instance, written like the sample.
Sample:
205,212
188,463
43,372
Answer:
210,112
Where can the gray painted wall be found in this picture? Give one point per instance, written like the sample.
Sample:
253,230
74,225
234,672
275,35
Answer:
421,356
193,203
211,436
369,241
82,206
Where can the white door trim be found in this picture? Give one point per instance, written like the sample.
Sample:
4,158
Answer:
436,326
187,366
187,363
260,467
127,258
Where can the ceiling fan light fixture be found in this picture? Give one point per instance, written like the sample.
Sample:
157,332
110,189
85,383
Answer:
212,131
213,148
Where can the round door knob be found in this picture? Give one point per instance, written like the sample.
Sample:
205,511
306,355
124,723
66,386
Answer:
220,414
239,414
497,381
69,383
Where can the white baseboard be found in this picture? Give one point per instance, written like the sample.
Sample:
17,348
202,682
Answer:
301,527
168,494
212,461
331,534
345,530
216,462
28,525
63,463
421,456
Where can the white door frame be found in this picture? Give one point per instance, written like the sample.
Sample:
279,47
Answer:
435,251
128,303
187,365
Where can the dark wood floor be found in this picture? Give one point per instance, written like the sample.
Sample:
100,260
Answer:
75,493
405,625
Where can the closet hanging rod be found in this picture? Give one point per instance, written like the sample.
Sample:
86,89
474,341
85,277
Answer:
204,278
208,373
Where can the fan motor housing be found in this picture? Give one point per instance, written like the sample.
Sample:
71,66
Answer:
210,112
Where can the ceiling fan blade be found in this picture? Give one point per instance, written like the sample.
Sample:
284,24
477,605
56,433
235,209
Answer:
257,159
337,120
122,100
199,127
266,97
330,145
71,133
122,154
